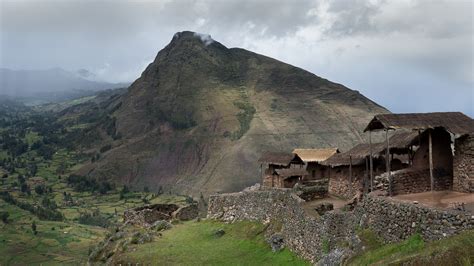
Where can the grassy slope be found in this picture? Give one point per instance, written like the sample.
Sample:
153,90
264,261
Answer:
194,243
68,242
55,243
456,250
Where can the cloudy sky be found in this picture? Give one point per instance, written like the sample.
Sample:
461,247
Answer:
407,55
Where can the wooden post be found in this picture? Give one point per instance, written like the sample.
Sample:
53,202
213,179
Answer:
387,163
371,163
430,149
350,174
366,183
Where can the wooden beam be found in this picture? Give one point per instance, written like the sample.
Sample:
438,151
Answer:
371,163
430,151
387,163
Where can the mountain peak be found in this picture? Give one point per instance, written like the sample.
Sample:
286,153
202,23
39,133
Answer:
190,35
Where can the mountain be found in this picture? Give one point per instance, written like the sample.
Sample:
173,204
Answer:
201,114
53,84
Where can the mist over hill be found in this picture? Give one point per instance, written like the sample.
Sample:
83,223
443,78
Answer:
201,114
39,86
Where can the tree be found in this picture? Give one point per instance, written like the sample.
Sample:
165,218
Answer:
33,227
124,191
21,179
40,189
25,188
48,203
4,216
33,169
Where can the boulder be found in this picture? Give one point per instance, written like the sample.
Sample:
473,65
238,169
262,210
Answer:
323,207
276,242
219,233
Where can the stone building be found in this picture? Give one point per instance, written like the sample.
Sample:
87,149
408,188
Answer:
313,159
443,159
349,172
281,169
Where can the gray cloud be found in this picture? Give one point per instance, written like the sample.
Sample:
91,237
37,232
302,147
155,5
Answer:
417,45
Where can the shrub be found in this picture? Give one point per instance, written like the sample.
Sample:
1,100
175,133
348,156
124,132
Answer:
94,218
40,189
84,183
25,188
4,217
33,227
105,148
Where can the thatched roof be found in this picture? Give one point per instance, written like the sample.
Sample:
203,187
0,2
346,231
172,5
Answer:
289,172
280,158
398,143
315,155
454,122
356,154
403,139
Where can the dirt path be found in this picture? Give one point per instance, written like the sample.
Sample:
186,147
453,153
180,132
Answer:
310,205
440,199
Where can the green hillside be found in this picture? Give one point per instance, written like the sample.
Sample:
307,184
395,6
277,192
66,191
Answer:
200,115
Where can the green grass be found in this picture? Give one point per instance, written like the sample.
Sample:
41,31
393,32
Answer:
31,137
68,243
245,117
194,243
456,250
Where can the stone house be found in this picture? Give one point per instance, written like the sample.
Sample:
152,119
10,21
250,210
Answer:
313,158
443,159
281,169
349,172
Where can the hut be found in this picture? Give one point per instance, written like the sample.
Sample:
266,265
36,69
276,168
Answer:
444,147
313,158
287,177
282,169
349,171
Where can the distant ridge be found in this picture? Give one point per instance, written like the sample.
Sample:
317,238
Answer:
42,83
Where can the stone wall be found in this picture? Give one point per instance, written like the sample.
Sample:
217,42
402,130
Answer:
463,165
339,181
395,221
311,237
148,214
411,180
281,211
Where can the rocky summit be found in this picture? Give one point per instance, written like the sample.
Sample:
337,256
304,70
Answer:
201,114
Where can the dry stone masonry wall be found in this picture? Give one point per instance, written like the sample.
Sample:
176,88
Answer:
395,221
305,235
316,238
463,165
